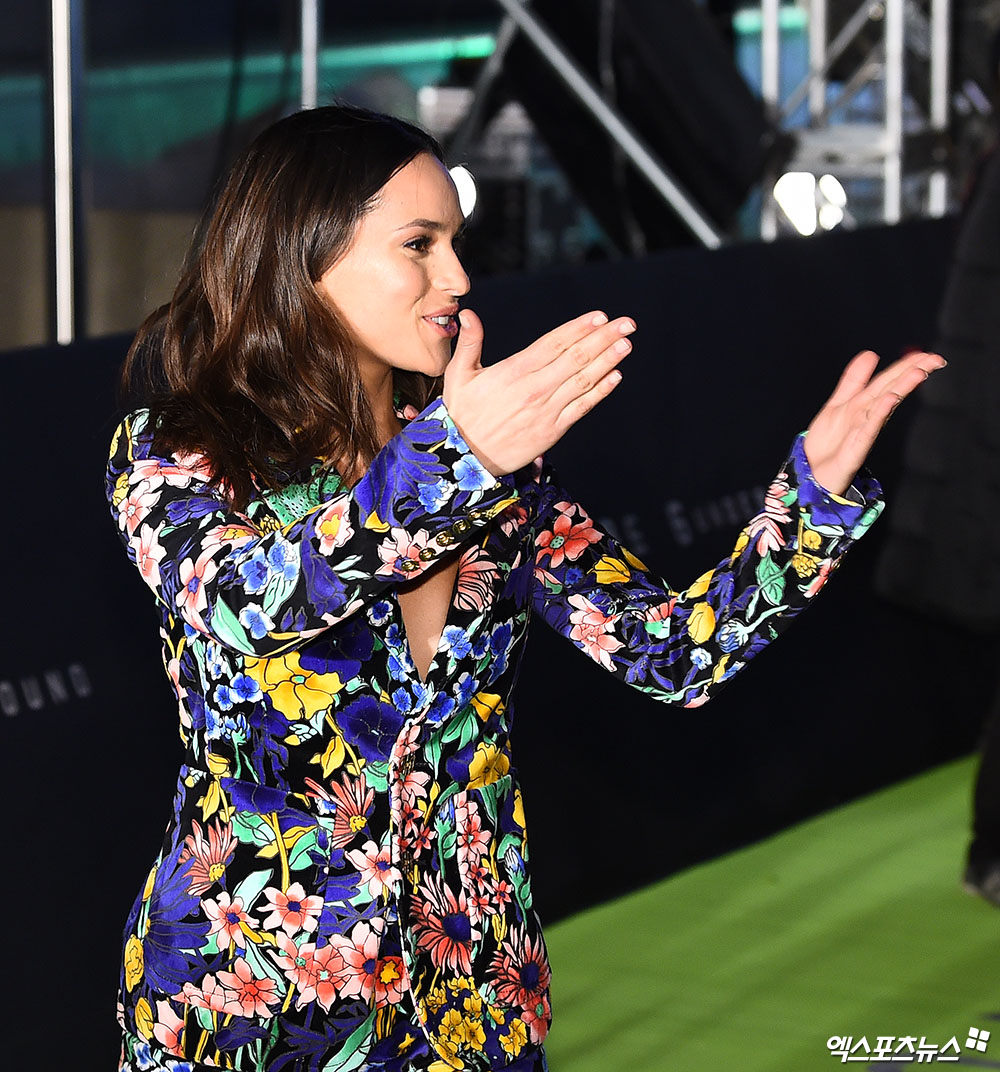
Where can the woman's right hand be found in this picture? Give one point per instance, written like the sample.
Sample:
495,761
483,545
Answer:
512,411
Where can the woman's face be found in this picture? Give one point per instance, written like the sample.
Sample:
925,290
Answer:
397,286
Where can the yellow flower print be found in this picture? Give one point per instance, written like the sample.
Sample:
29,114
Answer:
473,1005
485,703
804,565
150,879
451,1027
497,1014
519,810
296,692
610,570
488,765
811,539
633,561
741,541
516,1038
266,524
133,963
435,999
474,1035
700,586
120,493
701,624
144,1018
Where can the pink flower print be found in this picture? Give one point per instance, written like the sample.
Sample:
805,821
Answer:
566,540
359,951
473,841
442,926
191,597
178,474
210,995
148,555
520,969
333,526
354,802
511,519
766,526
592,628
228,535
227,916
477,574
314,972
292,910
169,1029
413,787
401,555
208,856
390,981
247,995
133,510
480,906
375,867
822,575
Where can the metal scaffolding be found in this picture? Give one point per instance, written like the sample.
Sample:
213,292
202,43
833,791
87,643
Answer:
903,144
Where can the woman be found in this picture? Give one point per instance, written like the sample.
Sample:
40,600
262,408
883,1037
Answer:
347,529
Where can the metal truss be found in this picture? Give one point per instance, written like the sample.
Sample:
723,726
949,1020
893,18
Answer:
900,140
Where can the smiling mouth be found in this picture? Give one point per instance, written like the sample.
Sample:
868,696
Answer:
447,325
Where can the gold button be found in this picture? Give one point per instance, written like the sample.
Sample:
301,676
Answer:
426,553
408,565
444,538
462,526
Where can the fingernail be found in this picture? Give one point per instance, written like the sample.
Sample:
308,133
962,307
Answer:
597,319
626,327
615,377
622,346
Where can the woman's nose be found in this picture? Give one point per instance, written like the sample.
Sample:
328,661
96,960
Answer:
450,277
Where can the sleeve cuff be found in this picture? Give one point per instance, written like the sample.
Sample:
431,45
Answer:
853,512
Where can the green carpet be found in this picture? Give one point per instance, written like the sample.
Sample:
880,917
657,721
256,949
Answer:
850,924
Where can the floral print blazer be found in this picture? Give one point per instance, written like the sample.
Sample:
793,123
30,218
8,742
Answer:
344,880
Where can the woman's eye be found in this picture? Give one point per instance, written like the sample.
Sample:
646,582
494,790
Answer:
420,244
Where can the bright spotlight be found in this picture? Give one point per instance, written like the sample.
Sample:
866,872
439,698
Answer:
465,184
809,202
795,192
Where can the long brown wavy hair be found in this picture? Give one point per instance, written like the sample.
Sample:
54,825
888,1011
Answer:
247,363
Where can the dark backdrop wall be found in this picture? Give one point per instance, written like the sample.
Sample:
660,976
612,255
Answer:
735,351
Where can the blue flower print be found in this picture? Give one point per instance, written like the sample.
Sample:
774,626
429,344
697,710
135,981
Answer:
402,699
253,619
730,636
283,558
701,658
371,727
378,613
470,476
465,689
246,689
255,573
441,707
434,496
224,698
457,641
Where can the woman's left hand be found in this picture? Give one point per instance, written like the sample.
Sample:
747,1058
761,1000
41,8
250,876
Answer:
842,433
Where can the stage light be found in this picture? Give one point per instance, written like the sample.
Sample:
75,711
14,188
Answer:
465,185
795,193
808,202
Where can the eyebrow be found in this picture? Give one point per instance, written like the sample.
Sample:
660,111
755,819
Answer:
432,225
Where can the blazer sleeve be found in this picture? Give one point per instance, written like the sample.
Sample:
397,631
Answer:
682,646
261,588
